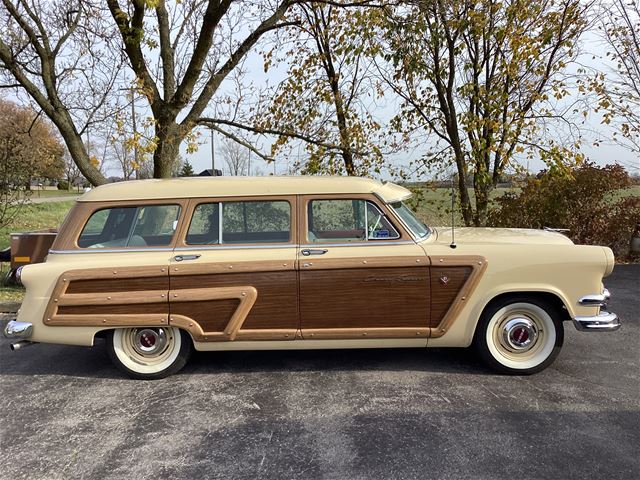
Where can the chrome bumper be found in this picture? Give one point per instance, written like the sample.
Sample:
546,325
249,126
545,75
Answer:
17,330
603,321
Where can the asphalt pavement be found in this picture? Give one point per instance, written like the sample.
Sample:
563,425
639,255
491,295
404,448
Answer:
358,414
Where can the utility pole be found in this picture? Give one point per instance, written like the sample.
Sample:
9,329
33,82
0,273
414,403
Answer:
213,155
135,133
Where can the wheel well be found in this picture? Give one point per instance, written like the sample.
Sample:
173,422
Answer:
103,333
549,297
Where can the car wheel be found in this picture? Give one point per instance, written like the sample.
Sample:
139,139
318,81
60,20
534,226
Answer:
149,353
519,336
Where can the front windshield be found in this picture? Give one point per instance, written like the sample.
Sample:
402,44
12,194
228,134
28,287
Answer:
418,228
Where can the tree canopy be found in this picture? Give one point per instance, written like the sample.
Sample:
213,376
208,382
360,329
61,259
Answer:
29,148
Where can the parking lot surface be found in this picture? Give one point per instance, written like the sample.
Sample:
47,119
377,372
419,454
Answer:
358,414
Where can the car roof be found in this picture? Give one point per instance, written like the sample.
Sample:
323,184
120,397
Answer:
194,187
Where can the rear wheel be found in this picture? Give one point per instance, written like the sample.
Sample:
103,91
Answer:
149,353
519,336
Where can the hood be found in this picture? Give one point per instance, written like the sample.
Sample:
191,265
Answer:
514,236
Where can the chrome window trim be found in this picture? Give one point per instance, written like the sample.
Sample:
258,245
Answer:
357,244
137,208
220,224
227,246
27,234
413,234
221,221
113,250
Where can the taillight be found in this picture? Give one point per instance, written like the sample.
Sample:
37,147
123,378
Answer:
18,275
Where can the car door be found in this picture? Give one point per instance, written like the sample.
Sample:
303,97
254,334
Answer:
118,273
232,276
361,274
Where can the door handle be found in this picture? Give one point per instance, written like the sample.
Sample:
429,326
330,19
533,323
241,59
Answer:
314,251
179,258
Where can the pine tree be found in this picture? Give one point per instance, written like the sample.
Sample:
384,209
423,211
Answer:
186,170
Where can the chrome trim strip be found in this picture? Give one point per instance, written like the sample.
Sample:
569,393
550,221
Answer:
414,235
113,250
603,322
232,247
15,329
26,234
357,244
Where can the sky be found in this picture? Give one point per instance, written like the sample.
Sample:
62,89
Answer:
593,56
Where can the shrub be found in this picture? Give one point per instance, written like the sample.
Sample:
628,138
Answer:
588,203
63,185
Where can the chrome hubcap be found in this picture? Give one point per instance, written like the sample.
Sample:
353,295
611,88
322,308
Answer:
148,341
519,334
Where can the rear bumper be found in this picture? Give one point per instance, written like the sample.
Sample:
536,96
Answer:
18,330
603,322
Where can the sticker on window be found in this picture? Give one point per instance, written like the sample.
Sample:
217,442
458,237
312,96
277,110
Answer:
381,234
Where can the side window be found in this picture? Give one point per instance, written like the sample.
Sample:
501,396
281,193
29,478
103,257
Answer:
204,227
240,223
150,225
347,221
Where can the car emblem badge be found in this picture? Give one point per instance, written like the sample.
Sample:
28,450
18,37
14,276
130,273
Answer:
444,280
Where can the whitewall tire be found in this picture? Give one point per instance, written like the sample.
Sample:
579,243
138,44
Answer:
149,353
519,335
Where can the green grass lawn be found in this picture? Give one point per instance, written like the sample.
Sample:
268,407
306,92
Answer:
9,293
35,216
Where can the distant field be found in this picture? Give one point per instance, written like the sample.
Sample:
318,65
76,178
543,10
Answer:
435,206
35,193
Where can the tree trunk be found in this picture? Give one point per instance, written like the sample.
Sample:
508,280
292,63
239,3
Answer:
165,157
79,153
482,205
465,200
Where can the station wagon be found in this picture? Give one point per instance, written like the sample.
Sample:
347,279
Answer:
161,267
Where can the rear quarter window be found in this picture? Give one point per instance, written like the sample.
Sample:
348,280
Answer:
130,226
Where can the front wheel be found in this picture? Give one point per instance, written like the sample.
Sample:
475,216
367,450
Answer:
149,353
519,336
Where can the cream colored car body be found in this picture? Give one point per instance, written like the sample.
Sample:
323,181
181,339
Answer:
516,261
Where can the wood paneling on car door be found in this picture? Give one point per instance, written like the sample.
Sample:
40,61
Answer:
372,298
275,306
198,301
446,283
127,296
453,280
